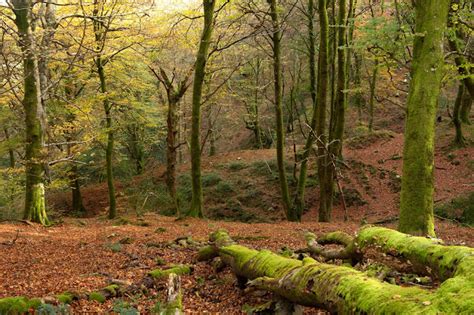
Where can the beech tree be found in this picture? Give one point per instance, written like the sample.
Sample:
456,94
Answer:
416,205
35,206
199,74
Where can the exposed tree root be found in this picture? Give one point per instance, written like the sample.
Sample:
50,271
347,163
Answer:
345,290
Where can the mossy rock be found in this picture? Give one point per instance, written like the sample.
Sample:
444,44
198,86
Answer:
97,296
178,269
113,289
66,297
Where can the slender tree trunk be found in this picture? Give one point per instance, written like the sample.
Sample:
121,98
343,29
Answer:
358,97
11,153
416,205
341,97
373,86
300,198
458,139
109,150
280,146
199,74
35,206
323,78
77,204
458,37
257,131
171,153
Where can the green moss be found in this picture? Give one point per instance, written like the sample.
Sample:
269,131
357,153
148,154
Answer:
96,296
178,269
346,290
460,209
65,297
18,305
206,253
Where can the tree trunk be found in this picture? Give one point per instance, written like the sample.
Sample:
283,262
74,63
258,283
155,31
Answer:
199,74
458,37
341,97
280,132
35,206
416,205
458,139
344,290
171,147
373,87
323,78
466,105
300,192
11,153
109,150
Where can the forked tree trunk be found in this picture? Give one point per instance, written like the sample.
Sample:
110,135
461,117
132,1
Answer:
344,290
416,205
199,74
35,206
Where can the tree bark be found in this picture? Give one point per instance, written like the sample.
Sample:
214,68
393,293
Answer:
35,205
416,205
280,132
199,74
323,78
11,153
344,290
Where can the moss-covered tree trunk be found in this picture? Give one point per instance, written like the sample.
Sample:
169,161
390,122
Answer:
276,36
35,206
300,192
322,99
458,139
340,102
416,206
199,74
344,290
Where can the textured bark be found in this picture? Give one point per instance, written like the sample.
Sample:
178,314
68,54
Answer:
35,207
199,74
345,290
416,206
280,132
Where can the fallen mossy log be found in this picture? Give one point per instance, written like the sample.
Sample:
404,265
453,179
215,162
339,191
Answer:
345,290
427,255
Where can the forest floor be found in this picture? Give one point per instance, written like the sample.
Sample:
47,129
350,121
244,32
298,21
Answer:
81,255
